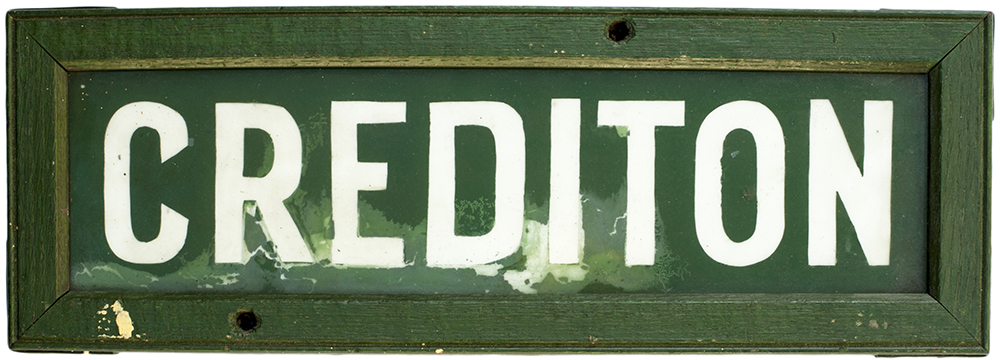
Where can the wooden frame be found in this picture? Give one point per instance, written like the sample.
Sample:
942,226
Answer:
953,48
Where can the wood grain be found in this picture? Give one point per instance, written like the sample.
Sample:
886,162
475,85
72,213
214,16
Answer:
33,263
963,198
953,48
643,323
838,36
683,63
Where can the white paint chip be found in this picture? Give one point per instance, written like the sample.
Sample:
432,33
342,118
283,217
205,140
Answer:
122,320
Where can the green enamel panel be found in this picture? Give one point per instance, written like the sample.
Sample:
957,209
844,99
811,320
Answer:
186,182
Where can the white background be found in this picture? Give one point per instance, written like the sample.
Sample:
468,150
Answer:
847,5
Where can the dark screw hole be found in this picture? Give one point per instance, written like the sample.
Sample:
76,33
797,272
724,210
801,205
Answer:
247,320
621,31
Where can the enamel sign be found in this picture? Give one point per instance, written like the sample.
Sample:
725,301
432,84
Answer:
499,181
530,180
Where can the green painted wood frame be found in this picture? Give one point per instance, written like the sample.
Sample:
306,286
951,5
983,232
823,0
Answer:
953,48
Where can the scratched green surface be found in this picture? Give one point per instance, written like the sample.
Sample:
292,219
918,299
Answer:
186,181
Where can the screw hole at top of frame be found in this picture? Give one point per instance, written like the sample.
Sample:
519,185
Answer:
621,31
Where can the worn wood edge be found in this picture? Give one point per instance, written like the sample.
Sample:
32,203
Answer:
28,13
890,350
61,177
989,25
934,182
553,62
12,313
964,71
33,285
886,350
77,306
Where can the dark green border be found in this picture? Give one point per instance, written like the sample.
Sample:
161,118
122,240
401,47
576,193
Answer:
953,48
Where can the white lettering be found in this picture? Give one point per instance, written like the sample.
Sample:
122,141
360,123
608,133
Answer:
756,118
232,189
350,176
641,118
833,171
170,126
444,248
565,211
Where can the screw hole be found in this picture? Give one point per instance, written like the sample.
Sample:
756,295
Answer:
247,321
621,31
